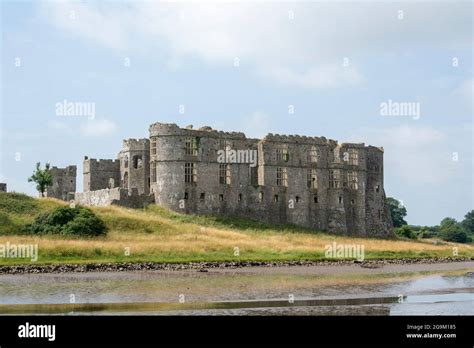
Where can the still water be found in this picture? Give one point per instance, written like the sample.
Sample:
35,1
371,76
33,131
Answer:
235,293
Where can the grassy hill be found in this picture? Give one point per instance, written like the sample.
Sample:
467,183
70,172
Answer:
157,234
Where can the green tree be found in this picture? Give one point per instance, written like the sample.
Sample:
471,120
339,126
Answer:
453,233
446,222
468,222
42,178
397,211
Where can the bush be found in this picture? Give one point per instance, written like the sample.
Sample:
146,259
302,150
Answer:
405,231
78,221
453,233
427,234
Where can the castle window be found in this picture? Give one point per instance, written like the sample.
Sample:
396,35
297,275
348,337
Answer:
380,213
377,188
353,157
260,196
137,161
225,174
311,179
221,174
297,199
352,179
315,198
153,146
203,196
282,153
191,146
125,162
275,198
340,200
352,201
228,174
240,197
221,197
313,154
125,180
282,177
186,195
153,172
253,176
190,172
335,178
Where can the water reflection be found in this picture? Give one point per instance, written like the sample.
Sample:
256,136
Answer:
231,294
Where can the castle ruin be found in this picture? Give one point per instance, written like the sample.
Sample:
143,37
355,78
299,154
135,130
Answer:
307,181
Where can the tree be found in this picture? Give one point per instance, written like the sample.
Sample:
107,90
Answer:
397,211
42,178
447,221
468,221
453,233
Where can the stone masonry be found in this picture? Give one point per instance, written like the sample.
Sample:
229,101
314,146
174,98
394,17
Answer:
313,182
64,183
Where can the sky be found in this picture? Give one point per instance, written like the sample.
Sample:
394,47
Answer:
314,68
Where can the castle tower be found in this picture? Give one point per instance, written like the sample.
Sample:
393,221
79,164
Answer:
135,165
64,183
100,174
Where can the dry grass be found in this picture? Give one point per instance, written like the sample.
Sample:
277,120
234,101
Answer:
158,235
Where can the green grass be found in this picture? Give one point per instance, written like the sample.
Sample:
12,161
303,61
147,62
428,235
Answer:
159,235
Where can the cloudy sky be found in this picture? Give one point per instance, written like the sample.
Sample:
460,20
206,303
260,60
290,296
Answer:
244,66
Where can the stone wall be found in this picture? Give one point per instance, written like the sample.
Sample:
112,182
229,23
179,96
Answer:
101,174
348,197
64,183
114,196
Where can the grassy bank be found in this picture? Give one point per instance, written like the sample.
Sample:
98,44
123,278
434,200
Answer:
156,234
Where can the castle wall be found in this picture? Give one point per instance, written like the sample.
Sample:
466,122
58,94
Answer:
114,196
64,183
100,174
349,207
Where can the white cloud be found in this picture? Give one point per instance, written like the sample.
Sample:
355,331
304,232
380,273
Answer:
466,91
415,155
306,51
98,127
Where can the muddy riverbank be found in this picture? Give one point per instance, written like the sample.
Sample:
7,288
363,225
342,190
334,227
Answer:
206,266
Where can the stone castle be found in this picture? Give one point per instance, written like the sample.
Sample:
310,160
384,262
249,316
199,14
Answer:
307,181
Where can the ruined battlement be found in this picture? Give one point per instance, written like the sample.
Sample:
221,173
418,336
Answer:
135,144
167,129
100,164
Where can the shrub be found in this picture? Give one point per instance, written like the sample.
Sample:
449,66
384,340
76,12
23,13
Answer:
78,221
405,231
85,223
453,233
